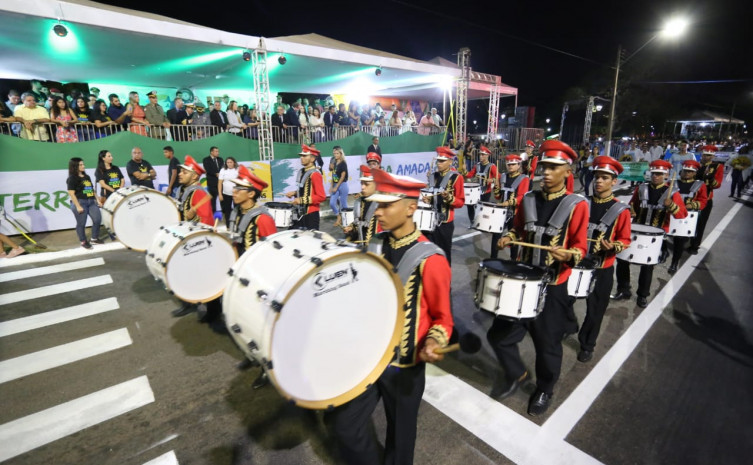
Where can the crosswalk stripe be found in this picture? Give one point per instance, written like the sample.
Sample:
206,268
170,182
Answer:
19,325
68,253
164,459
44,291
35,430
466,236
33,272
63,354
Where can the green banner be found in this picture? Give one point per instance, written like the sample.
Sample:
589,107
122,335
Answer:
633,171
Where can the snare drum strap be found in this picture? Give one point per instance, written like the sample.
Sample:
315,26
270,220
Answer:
186,196
366,221
246,220
414,256
608,218
555,223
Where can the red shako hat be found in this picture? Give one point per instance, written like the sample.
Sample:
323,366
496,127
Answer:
391,188
710,149
513,158
373,156
607,164
485,150
306,150
529,143
691,165
558,152
366,174
246,178
660,166
191,165
445,153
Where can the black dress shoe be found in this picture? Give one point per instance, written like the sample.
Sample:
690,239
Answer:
621,295
539,403
261,381
184,310
218,326
247,363
663,256
673,268
504,390
693,251
642,301
585,356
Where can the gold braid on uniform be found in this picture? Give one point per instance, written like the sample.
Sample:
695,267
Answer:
305,199
439,334
405,240
512,235
673,208
618,246
554,195
604,200
692,204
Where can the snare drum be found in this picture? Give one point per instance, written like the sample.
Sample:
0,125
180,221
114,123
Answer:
283,213
426,219
645,248
431,192
581,280
191,260
306,320
472,193
510,289
135,214
347,216
684,227
490,217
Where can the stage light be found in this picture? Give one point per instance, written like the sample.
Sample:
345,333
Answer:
282,60
60,30
246,56
378,71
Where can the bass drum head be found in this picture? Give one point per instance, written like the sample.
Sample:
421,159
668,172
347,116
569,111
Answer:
646,230
337,330
139,216
515,270
279,205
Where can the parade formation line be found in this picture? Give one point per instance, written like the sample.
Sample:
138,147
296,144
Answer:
63,354
164,459
54,289
54,317
68,253
35,430
33,272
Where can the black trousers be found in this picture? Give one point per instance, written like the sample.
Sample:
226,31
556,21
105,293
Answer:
442,236
596,305
678,248
496,237
214,309
546,330
227,206
703,218
400,389
472,208
307,221
644,278
212,189
737,183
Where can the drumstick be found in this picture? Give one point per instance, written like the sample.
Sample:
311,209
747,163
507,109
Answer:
535,246
468,343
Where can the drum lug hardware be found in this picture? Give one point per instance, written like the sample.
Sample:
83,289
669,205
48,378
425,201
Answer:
264,238
276,245
252,344
230,272
262,295
317,235
317,261
297,253
151,254
276,306
267,363
244,281
235,328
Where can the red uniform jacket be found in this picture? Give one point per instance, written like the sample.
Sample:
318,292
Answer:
618,233
659,217
570,183
493,174
523,187
696,202
573,235
427,300
312,193
202,199
261,226
712,174
456,199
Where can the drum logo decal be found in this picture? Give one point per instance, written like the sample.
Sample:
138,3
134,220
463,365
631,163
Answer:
196,246
328,281
138,201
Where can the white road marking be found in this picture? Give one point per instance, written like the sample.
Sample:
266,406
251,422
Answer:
68,253
466,236
54,317
32,272
164,459
63,354
562,421
35,430
45,291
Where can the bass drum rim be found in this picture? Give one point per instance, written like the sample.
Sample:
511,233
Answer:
134,191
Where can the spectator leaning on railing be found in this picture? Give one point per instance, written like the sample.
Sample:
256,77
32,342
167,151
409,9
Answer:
33,118
155,115
101,120
117,111
138,124
64,117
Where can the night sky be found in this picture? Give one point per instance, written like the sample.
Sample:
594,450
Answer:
503,37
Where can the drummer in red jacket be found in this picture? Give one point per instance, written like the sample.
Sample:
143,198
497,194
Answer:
309,191
609,231
651,205
512,185
451,196
550,217
428,324
487,174
695,196
712,174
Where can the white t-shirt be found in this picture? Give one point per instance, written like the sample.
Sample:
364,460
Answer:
227,175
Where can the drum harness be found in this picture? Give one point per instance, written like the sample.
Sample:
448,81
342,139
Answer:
513,187
414,256
555,223
186,196
245,220
643,197
435,199
367,219
483,174
607,220
303,177
693,190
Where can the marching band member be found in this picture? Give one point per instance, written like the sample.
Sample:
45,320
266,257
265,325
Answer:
513,184
426,277
310,191
364,227
451,196
712,174
193,205
530,161
551,217
609,231
694,194
652,204
487,174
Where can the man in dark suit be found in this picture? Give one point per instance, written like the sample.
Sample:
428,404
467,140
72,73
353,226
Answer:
374,147
212,165
278,124
178,116
292,121
218,117
329,122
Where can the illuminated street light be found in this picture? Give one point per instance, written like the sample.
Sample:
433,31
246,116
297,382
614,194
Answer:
547,120
674,27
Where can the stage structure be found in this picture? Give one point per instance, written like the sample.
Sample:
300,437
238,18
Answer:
593,104
263,101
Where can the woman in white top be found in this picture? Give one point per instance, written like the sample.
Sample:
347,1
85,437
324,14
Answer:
409,120
316,124
225,186
234,121
395,124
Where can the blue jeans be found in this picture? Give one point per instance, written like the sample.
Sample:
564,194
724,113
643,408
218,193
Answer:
340,196
92,210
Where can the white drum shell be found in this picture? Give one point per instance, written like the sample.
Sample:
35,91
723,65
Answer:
191,260
426,219
509,297
321,348
685,227
135,214
347,216
645,247
430,192
472,193
283,217
579,284
490,218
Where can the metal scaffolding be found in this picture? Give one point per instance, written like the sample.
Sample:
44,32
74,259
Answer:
461,100
263,101
491,128
587,123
